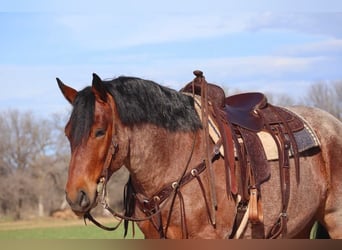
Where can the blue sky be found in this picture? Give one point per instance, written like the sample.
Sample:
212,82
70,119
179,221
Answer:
279,48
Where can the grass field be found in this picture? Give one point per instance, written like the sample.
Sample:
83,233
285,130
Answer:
49,228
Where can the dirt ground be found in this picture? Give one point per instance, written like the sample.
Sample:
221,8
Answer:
46,222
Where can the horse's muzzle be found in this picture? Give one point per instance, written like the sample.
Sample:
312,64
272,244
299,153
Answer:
81,204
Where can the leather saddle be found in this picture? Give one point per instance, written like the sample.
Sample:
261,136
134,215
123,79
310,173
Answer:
239,118
248,114
252,112
241,110
244,110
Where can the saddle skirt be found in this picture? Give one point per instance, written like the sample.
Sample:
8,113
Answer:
305,138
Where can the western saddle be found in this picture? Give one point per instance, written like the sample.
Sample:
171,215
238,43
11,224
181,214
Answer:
239,118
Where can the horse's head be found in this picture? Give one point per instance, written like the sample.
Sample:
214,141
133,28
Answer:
92,133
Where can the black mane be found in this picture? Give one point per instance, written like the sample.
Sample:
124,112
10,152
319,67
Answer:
138,101
142,101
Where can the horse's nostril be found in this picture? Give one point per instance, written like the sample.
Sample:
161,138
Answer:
83,199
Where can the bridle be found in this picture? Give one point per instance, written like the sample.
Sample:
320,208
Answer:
153,207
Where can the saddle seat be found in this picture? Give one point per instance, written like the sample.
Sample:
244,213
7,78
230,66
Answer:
247,110
241,110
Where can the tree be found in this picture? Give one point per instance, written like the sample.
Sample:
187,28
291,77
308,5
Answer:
276,99
280,99
31,172
327,96
34,158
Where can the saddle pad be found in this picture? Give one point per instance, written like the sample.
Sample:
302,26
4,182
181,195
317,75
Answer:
305,138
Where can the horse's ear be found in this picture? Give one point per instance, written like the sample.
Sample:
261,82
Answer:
68,92
99,88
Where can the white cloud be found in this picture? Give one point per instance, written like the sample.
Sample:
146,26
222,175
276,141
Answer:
319,23
126,30
252,66
35,87
294,88
325,47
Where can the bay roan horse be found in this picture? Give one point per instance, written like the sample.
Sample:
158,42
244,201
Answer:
158,136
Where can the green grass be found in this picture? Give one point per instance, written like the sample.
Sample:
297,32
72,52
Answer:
67,232
75,229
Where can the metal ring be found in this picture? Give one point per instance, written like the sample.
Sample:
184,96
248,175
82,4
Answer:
283,214
174,185
216,150
156,198
194,172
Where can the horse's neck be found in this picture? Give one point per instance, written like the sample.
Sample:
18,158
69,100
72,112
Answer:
158,157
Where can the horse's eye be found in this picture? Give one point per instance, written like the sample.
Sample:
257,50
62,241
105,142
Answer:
100,132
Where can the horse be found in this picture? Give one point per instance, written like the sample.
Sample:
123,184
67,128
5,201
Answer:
156,133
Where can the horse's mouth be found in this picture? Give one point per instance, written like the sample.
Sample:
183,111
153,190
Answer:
84,213
81,212
84,205
85,201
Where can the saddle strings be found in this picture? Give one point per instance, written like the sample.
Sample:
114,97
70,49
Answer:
205,112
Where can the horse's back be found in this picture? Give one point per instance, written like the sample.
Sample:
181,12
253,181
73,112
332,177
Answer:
319,120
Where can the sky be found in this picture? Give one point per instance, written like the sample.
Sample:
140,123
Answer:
280,48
